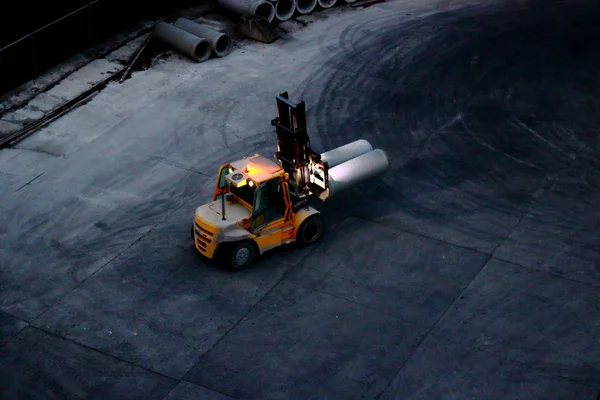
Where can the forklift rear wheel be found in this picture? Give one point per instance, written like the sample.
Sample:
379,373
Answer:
241,255
310,231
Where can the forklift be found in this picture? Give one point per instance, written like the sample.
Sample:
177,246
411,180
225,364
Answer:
261,203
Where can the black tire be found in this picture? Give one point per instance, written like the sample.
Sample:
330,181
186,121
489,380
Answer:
239,255
192,233
310,231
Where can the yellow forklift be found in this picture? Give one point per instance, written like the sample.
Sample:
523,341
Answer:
261,203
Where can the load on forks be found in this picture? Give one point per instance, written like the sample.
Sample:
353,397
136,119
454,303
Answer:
261,203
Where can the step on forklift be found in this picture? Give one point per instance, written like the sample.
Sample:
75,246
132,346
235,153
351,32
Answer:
261,203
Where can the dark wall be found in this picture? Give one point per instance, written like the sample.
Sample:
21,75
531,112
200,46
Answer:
42,49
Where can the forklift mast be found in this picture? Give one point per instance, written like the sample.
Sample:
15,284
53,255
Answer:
306,171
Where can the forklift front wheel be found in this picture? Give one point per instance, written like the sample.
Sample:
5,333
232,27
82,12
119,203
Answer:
240,255
310,231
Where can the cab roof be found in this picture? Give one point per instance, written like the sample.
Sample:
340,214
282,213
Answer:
258,168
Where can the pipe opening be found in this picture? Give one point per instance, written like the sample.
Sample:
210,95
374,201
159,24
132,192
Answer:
266,10
284,9
327,3
306,6
202,51
223,45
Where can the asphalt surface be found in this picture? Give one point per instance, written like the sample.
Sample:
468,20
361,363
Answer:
470,270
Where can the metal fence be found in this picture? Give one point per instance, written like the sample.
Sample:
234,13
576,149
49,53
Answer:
32,54
43,48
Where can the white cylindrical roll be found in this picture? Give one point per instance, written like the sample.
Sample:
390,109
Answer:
346,152
357,170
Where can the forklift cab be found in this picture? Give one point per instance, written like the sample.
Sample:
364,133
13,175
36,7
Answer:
268,202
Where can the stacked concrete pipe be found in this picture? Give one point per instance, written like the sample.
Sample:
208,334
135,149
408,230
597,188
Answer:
220,42
327,3
306,6
284,9
250,7
198,49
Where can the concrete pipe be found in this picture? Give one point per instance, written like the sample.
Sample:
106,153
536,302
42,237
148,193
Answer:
198,49
306,6
327,3
346,152
355,171
220,42
250,7
284,9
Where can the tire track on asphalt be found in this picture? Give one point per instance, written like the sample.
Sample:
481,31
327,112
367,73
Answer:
519,123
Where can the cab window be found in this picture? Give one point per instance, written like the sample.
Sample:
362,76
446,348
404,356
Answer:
259,210
245,193
221,186
223,173
260,200
275,199
269,203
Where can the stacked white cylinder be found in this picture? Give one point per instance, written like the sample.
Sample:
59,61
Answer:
351,164
357,170
346,152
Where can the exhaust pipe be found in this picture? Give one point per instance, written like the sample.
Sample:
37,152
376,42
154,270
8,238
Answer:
327,3
355,171
346,152
198,49
284,9
306,6
250,7
220,42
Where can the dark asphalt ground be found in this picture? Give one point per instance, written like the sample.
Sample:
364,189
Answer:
470,270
